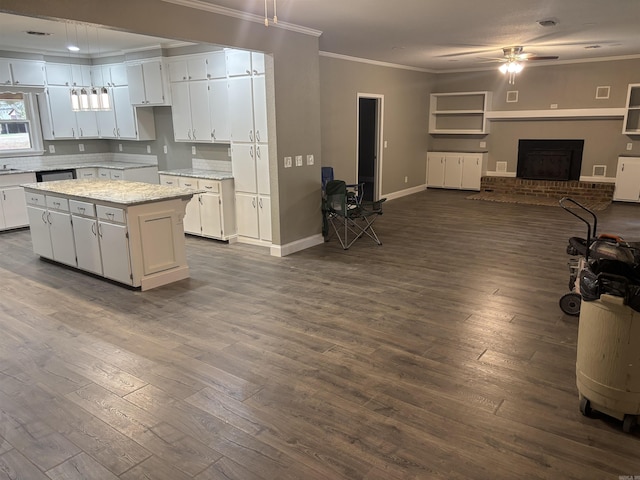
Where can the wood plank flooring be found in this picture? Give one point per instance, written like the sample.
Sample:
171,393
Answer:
441,354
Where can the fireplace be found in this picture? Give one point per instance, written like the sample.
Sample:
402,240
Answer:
550,159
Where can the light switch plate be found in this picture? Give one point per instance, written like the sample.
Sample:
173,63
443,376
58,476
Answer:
165,149
287,162
483,144
629,146
193,150
148,148
310,160
52,149
81,147
119,147
298,160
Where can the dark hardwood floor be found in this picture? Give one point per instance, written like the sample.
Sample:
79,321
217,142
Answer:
441,354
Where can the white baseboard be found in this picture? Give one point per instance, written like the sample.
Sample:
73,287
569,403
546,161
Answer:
298,245
500,174
404,193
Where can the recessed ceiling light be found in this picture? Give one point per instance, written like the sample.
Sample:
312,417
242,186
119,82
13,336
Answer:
73,48
37,34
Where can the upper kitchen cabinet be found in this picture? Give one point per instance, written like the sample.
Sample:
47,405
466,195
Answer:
67,75
242,62
29,73
147,83
204,66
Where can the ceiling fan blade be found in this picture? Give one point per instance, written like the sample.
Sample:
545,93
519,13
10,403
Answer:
545,57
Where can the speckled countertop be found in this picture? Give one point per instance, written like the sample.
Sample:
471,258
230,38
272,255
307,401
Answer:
198,173
113,191
68,166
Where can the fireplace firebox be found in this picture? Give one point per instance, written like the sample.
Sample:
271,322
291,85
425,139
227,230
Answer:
550,159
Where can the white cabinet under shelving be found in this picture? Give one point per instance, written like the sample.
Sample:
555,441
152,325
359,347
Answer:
455,170
628,180
461,113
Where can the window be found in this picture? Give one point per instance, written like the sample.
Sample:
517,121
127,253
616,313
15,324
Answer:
19,128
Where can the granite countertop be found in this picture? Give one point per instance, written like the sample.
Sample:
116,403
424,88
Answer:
67,166
198,173
120,192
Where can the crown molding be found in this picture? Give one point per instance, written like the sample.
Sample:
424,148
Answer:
229,12
374,62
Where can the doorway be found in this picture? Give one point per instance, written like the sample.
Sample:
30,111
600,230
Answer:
369,136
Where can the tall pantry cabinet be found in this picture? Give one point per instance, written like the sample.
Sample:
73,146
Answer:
249,144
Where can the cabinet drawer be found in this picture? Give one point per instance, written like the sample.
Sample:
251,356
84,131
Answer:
35,199
86,173
104,173
110,213
169,180
82,208
117,174
58,203
209,185
187,182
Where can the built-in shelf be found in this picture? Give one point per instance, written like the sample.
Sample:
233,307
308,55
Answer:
631,124
461,113
582,113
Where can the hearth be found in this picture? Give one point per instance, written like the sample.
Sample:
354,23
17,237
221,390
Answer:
550,159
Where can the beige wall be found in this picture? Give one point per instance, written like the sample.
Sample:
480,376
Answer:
405,123
569,86
295,191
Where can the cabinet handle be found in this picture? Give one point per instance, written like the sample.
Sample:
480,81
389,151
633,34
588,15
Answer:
93,230
82,209
248,72
257,135
253,202
260,203
4,195
194,133
114,132
118,132
49,218
251,135
622,167
43,219
200,199
251,151
73,132
258,152
213,134
99,231
189,134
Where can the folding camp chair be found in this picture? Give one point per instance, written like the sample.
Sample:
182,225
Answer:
350,218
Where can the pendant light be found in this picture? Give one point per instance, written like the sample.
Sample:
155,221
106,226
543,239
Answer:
104,101
266,13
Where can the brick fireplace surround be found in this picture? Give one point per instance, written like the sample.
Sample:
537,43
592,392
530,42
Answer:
591,192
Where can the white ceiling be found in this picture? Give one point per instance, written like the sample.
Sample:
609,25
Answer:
434,35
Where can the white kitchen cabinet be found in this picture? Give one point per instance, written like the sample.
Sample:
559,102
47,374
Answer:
58,74
238,62
264,217
260,109
86,172
114,244
219,110
139,174
85,234
52,230
81,75
147,85
190,111
257,63
59,121
455,170
262,169
244,167
13,206
216,65
241,113
627,180
124,121
247,215
28,73
210,213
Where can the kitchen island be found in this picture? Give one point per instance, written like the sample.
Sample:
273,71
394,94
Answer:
130,232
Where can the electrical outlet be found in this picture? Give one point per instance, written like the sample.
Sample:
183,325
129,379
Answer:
553,105
483,144
406,179
52,149
193,150
119,147
298,160
385,144
629,146
165,149
81,147
287,162
148,148
310,160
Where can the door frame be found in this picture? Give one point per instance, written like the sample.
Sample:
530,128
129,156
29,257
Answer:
379,138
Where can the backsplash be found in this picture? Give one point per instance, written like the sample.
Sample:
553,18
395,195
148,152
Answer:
212,165
35,162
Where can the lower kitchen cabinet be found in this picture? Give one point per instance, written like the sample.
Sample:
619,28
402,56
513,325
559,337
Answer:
455,170
114,244
628,180
13,207
52,230
85,234
254,216
210,213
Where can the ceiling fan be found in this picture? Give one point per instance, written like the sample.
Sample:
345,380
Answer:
512,62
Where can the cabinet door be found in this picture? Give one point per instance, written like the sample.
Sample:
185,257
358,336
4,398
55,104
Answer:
452,171
63,119
435,170
85,235
125,113
181,111
81,75
153,84
178,71
191,220
3,223
216,65
5,72
219,110
107,127
247,215
40,236
114,247
169,180
135,79
628,180
15,207
262,169
200,118
244,168
210,217
197,68
62,242
118,75
260,109
86,172
241,114
27,72
471,172
87,124
264,217
58,74
238,62
257,63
